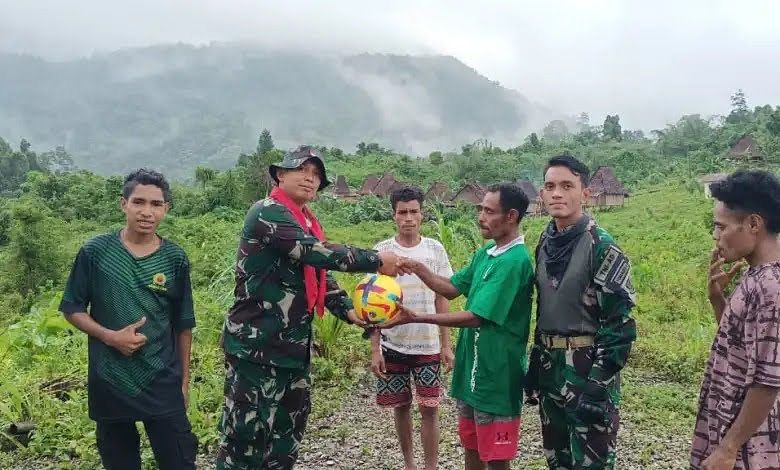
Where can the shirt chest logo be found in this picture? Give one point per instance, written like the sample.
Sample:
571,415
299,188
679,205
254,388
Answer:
158,283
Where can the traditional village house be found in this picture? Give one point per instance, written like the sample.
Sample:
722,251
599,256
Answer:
439,191
606,189
746,149
534,200
471,193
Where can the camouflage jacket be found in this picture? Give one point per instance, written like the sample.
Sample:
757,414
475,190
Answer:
608,298
269,322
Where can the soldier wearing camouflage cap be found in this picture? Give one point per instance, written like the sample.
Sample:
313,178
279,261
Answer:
584,329
282,281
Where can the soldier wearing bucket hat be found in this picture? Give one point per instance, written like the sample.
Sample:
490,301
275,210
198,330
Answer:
282,281
296,158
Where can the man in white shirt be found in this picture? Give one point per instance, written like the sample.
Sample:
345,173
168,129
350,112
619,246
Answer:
414,350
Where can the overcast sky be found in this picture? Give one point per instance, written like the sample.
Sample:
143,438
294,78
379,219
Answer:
648,61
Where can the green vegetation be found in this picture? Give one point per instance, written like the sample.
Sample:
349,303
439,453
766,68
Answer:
50,210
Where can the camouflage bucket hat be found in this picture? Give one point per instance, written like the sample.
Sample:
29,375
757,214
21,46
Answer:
298,157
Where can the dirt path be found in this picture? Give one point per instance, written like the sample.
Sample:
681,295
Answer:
360,435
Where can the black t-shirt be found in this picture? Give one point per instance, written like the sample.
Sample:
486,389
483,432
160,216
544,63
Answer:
118,289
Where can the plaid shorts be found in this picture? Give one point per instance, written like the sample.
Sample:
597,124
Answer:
396,389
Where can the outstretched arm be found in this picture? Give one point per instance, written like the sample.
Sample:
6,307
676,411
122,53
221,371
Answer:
439,284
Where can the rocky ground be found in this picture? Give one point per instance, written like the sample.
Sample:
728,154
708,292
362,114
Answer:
359,435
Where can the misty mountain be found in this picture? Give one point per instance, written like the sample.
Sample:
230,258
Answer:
178,106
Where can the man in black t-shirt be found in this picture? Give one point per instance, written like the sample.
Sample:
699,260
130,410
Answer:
130,292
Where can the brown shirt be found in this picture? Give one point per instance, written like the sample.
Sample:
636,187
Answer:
746,351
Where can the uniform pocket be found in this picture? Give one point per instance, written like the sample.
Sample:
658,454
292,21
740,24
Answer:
240,413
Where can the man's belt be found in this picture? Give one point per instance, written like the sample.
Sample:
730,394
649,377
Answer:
566,342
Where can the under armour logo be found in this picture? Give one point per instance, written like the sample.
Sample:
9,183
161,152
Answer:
502,436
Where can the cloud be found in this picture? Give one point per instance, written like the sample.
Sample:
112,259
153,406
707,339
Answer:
648,61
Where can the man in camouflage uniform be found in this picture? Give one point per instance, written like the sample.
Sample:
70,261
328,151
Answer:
281,281
584,329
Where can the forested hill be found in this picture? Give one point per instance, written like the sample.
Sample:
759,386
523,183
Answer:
180,106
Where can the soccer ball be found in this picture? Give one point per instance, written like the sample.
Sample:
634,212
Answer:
376,298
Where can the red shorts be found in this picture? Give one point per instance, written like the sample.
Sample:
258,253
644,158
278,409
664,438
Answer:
494,437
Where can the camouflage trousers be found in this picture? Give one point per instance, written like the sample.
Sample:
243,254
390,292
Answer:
568,443
264,415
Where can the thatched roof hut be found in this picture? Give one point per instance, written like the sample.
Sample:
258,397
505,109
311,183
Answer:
746,149
606,189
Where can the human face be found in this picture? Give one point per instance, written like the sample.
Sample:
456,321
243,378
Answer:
408,218
144,209
494,222
735,234
563,194
300,184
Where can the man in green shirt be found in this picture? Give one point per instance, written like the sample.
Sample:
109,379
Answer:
130,292
490,359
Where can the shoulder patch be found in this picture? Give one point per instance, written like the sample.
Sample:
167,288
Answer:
614,268
614,274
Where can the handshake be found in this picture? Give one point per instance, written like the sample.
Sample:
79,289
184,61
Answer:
394,265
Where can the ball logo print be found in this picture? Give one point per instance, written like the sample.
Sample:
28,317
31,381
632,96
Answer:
376,298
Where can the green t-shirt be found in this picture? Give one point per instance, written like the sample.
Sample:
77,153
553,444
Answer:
490,361
117,289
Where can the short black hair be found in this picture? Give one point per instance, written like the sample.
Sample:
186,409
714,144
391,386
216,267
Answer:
146,177
575,166
752,192
511,196
406,194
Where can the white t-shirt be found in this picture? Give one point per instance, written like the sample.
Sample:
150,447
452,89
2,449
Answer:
417,338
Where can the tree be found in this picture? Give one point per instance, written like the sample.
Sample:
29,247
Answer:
5,222
583,122
265,143
204,175
773,124
739,109
24,146
635,135
612,129
533,141
688,134
555,131
57,161
257,181
35,250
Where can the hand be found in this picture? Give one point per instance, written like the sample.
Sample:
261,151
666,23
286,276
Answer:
378,364
719,278
594,404
531,385
389,263
720,459
447,358
403,316
356,320
127,340
185,391
409,266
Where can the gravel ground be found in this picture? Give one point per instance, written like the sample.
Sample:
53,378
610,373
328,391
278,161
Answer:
360,435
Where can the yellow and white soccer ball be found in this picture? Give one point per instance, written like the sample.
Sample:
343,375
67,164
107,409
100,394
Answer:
376,298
